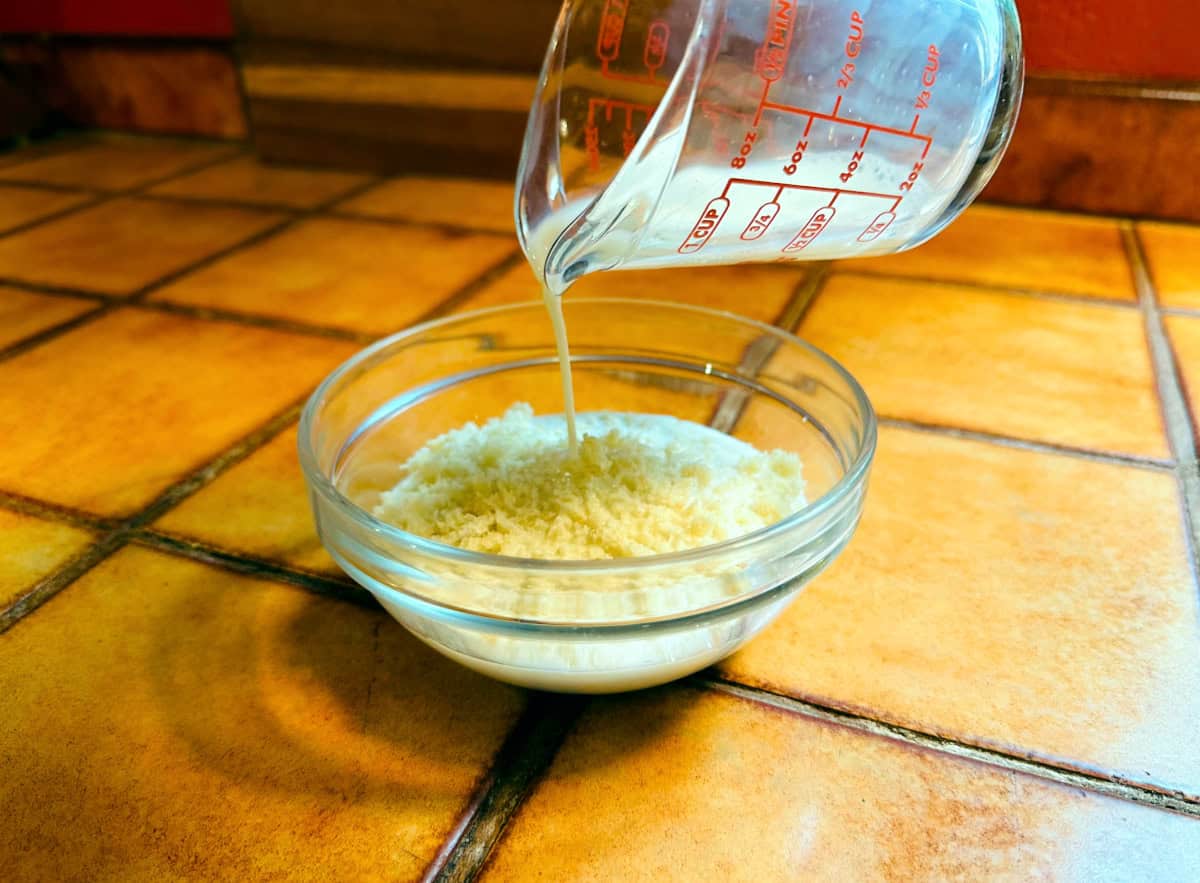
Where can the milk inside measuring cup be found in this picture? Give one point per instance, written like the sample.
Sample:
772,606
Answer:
668,133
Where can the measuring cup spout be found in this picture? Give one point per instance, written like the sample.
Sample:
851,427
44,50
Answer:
603,140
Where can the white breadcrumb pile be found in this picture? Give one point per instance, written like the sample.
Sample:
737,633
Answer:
640,484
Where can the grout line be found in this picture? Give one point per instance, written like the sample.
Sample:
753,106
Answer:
108,301
57,290
36,339
47,587
64,144
59,144
520,764
101,197
443,226
200,165
1187,312
196,550
1016,291
257,320
221,202
1177,416
24,505
733,402
287,220
325,206
233,455
1041,447
50,186
806,295
270,230
120,535
1109,787
53,216
472,287
455,298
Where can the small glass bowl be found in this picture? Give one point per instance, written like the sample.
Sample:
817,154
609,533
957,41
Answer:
586,626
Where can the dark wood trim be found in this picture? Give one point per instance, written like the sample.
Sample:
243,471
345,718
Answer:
1104,147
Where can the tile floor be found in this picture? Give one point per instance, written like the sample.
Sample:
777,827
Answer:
1000,679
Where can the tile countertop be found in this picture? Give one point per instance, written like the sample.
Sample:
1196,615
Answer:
999,679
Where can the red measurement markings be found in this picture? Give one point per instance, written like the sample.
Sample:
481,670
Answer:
770,58
798,153
928,78
706,225
767,212
762,102
629,136
854,40
812,229
846,121
811,188
655,53
907,183
608,43
713,213
852,167
748,140
612,27
882,221
718,115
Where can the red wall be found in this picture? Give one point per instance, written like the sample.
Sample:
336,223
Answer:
1133,39
135,18
1146,39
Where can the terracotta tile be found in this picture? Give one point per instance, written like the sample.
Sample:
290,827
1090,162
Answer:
717,288
23,314
115,163
350,274
462,202
756,292
248,180
207,725
1173,252
20,205
126,405
1184,332
688,786
1037,602
259,507
1066,373
31,549
119,246
1018,248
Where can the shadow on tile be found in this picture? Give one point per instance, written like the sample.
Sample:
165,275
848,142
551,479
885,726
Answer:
342,695
163,714
337,690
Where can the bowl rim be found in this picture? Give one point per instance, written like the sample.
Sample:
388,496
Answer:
319,481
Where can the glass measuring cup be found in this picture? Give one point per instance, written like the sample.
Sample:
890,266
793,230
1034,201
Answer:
682,132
